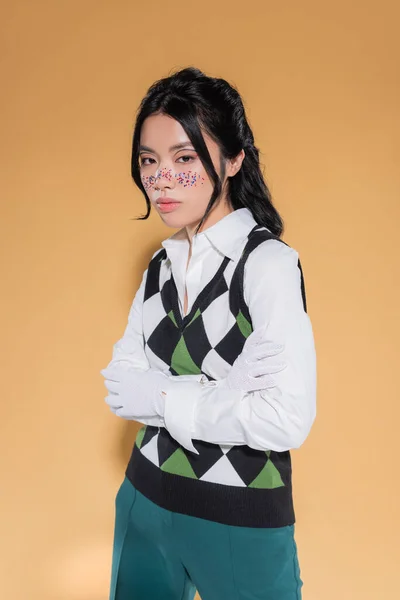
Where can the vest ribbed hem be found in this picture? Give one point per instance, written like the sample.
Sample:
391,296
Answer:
226,504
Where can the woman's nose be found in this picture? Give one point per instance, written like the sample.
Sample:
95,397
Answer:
164,178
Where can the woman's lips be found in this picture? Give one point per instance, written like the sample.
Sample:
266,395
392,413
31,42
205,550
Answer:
167,206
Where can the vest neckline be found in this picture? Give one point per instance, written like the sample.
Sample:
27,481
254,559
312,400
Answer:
201,300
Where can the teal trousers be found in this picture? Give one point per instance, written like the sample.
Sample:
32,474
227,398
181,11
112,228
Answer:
164,555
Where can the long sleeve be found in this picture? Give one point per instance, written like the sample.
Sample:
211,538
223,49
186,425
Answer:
128,352
279,418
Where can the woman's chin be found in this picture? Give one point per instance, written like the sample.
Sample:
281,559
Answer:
172,220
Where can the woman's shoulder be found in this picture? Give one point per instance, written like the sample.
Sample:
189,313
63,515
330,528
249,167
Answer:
271,255
272,272
159,250
154,258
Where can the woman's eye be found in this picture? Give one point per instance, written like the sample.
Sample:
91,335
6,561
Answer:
188,157
143,161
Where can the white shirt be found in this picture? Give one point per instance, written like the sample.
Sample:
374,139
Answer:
279,418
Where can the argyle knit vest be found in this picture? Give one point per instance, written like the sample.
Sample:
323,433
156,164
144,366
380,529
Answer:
234,485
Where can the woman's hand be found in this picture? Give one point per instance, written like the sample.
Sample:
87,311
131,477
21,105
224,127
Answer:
135,394
253,368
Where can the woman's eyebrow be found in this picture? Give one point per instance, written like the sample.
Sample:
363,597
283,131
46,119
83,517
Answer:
172,148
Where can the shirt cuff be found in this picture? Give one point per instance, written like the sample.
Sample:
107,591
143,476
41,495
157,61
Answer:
179,406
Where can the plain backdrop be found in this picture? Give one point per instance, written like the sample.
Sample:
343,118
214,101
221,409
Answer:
320,81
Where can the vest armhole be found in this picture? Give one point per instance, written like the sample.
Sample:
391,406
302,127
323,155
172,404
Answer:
256,238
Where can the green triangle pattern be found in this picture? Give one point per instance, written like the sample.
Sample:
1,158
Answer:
269,477
197,313
178,464
181,360
140,436
172,317
243,324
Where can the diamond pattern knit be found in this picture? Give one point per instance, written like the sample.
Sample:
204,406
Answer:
196,344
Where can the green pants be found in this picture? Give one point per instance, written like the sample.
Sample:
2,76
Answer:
164,555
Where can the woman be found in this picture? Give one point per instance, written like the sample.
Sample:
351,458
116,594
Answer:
217,361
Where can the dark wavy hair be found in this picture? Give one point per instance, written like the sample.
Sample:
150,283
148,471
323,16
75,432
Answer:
199,102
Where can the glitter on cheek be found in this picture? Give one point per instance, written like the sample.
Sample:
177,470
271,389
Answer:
148,182
189,178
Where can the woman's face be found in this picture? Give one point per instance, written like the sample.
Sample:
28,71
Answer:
172,171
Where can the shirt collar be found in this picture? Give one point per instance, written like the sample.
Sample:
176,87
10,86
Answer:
225,235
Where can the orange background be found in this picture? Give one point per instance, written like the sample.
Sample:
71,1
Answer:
321,85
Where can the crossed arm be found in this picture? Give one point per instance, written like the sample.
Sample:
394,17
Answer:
279,418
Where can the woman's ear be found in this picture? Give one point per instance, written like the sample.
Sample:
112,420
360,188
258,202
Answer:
234,164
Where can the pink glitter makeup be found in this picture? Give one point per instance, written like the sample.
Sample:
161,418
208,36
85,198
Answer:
148,182
185,178
166,174
189,178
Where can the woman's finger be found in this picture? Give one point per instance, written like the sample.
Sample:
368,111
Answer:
262,383
111,374
265,368
267,349
112,386
113,400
